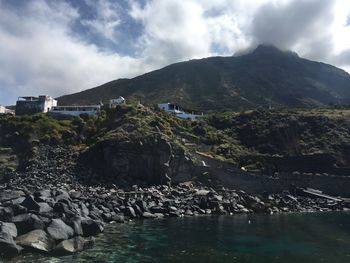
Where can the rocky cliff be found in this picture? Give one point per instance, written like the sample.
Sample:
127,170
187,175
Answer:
143,145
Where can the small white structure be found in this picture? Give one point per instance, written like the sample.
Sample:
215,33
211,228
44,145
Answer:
114,102
91,110
32,105
178,111
2,110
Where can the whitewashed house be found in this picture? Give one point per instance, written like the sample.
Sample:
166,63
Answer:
114,102
74,111
179,111
31,105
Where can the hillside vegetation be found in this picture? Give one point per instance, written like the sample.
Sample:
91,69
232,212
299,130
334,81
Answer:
265,77
263,141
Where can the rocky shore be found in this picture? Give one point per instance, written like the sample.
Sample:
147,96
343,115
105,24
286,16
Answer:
54,206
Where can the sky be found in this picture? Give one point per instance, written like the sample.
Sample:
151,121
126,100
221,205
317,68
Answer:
59,47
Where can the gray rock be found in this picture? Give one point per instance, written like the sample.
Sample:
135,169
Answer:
6,214
43,193
8,247
44,208
6,195
84,210
75,223
28,222
9,228
73,245
37,240
159,209
118,218
129,211
75,194
58,230
159,215
91,227
148,215
18,209
30,203
18,200
202,192
174,214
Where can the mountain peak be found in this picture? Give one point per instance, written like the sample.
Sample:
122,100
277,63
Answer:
265,76
266,49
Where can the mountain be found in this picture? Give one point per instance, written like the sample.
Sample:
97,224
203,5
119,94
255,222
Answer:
266,76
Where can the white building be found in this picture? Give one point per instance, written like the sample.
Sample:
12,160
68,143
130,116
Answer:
32,105
178,111
4,110
71,111
114,102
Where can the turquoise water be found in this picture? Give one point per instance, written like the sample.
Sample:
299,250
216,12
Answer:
323,237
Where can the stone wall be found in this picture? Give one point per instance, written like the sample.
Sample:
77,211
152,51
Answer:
236,179
29,107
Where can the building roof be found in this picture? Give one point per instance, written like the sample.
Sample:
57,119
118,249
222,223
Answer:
29,98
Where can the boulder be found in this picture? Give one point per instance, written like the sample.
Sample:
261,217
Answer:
129,211
159,209
73,245
58,230
6,195
148,215
28,222
18,209
44,208
37,240
6,214
84,210
43,193
8,247
75,194
30,203
9,228
75,223
91,227
202,192
118,218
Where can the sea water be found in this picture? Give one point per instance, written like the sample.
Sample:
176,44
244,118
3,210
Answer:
303,237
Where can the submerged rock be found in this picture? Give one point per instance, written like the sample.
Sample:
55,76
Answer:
73,245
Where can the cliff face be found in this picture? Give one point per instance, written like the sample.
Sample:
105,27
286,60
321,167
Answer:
150,160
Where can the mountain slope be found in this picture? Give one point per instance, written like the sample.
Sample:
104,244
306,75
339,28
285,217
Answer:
266,76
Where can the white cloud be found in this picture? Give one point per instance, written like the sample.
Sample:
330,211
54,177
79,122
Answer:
41,53
173,31
107,18
42,57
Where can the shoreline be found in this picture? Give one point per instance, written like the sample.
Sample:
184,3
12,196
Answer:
56,206
62,222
